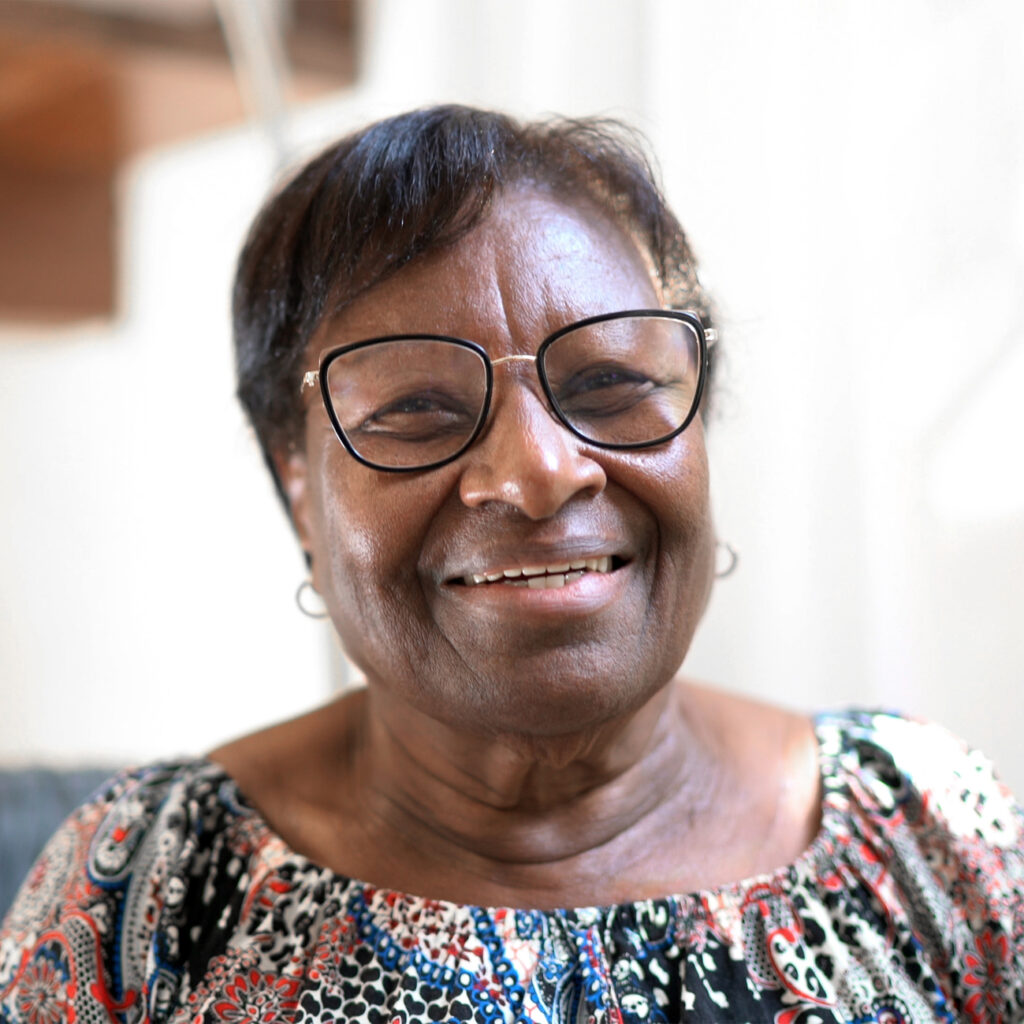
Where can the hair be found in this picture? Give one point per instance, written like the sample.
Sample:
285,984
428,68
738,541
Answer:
399,188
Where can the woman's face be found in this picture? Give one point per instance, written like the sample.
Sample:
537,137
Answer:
391,551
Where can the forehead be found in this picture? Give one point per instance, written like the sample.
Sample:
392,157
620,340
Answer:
534,264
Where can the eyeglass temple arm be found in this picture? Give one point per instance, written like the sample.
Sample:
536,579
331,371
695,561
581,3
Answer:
710,334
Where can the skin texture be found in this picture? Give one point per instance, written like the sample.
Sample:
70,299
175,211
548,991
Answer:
522,747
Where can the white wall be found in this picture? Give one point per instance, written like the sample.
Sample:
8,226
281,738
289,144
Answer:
856,175
851,174
146,606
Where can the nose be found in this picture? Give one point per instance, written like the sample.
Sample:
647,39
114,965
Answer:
526,458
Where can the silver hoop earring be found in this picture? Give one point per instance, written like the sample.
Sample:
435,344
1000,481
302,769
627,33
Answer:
302,597
731,559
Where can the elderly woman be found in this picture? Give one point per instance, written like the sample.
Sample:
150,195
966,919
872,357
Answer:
478,358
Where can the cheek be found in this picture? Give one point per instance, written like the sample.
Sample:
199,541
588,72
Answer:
688,554
696,522
362,522
368,530
359,548
358,567
674,485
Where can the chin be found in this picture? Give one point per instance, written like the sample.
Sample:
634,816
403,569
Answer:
576,696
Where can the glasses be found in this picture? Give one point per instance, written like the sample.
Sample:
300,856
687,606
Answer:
410,402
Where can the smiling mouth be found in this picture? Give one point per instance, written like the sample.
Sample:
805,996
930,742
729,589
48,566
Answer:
542,577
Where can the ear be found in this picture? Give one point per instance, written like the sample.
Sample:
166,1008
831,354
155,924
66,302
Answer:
293,474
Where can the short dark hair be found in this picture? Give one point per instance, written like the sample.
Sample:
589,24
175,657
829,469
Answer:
388,193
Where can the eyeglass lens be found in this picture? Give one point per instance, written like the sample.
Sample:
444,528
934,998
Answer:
412,403
409,403
627,381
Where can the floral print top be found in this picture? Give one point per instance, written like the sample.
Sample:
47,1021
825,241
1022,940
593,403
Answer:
168,898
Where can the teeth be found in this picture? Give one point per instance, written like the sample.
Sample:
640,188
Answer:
541,577
552,582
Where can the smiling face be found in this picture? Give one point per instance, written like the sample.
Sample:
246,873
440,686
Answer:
405,561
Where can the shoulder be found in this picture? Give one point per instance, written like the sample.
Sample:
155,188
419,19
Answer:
926,822
918,769
101,914
298,774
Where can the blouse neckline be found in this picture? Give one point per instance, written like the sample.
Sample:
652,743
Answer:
273,851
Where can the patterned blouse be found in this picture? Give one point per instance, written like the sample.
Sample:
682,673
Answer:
168,898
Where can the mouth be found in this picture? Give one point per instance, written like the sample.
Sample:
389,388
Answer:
542,577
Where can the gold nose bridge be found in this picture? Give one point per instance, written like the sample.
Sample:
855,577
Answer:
532,384
513,359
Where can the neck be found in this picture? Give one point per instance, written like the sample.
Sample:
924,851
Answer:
693,790
527,802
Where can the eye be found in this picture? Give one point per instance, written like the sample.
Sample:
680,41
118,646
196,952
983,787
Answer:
418,416
604,390
407,402
595,377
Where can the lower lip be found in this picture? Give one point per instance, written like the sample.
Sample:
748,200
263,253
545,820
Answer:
589,593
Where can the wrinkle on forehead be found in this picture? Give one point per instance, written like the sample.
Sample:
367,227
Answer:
535,263
538,243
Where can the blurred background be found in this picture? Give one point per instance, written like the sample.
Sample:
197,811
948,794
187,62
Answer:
851,175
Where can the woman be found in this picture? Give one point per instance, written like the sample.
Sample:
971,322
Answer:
477,356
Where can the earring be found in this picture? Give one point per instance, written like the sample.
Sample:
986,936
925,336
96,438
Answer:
302,599
731,559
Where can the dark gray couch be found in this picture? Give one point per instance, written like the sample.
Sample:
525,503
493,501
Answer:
33,802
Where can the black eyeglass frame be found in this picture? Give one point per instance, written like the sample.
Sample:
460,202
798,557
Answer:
706,337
